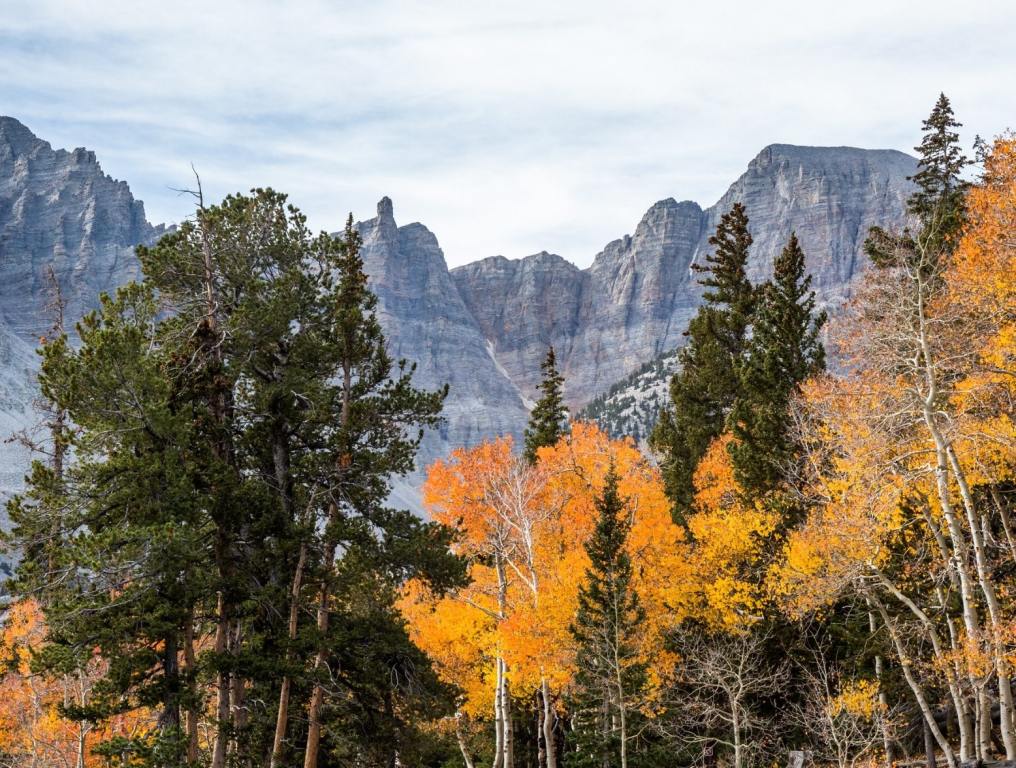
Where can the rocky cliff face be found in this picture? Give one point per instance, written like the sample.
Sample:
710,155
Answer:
635,301
482,328
427,323
58,209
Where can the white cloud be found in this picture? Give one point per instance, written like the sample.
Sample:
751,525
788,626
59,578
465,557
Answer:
505,127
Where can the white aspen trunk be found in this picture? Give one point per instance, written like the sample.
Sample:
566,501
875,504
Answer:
883,701
971,620
548,725
1003,515
915,686
498,716
983,724
462,741
509,729
952,674
1005,698
964,715
945,459
735,724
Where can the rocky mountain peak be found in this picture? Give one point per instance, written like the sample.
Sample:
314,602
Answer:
59,209
482,328
17,138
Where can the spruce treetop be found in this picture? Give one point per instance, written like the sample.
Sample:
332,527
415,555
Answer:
550,415
940,189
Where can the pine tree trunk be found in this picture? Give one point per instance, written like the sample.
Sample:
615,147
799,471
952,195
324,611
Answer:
310,757
317,697
222,687
622,709
169,717
193,714
282,718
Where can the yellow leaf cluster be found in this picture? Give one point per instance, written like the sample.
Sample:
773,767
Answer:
858,698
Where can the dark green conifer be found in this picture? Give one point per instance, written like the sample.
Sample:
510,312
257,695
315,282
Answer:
703,390
940,189
783,351
549,418
938,201
224,450
610,679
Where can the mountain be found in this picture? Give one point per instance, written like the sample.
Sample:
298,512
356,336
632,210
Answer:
482,328
632,405
58,209
633,304
427,323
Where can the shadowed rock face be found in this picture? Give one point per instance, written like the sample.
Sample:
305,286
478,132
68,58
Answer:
482,328
636,299
57,208
426,322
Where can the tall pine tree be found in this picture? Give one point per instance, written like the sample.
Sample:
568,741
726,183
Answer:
610,679
937,201
940,189
229,468
549,417
784,350
703,390
377,426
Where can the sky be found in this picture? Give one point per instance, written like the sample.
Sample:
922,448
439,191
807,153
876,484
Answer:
506,127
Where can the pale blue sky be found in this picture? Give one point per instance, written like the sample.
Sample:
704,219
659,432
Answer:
506,127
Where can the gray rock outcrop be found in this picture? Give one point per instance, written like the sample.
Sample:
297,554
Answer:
426,322
634,303
58,209
482,328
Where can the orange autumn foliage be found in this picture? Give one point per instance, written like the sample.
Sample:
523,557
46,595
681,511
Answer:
32,730
981,280
868,450
538,519
728,534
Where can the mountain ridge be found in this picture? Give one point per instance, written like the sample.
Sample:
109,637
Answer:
483,327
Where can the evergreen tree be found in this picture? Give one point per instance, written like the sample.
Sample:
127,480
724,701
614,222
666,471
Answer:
783,351
610,679
376,430
940,190
231,461
550,416
938,201
703,390
130,561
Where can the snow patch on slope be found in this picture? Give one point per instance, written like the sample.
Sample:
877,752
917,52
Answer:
500,369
